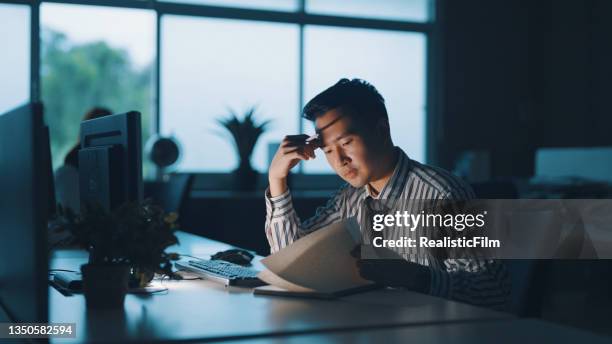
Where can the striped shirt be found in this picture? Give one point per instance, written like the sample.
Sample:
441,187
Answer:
476,281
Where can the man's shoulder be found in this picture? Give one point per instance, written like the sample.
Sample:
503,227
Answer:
440,180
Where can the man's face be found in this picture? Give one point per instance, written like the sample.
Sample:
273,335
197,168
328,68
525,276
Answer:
346,150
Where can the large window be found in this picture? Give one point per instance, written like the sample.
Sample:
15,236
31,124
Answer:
394,62
211,58
275,5
94,56
226,65
234,65
14,56
406,10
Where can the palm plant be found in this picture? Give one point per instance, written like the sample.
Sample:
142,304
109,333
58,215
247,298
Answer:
245,133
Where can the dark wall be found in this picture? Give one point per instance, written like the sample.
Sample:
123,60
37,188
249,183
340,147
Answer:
522,74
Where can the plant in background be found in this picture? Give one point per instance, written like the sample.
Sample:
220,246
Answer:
134,235
245,132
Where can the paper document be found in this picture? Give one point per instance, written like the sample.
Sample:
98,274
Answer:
319,262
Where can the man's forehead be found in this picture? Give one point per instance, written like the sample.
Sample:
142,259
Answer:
333,129
322,126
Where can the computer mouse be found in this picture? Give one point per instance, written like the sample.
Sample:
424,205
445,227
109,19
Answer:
235,255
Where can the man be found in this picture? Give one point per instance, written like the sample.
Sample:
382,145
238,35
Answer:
353,127
67,176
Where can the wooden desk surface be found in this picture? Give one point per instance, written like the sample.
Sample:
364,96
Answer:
499,332
204,310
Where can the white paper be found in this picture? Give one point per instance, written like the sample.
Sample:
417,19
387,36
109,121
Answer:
319,262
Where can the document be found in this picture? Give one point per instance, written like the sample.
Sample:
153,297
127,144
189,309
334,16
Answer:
319,264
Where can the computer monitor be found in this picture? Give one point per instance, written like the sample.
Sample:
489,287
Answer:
110,161
594,163
48,165
24,203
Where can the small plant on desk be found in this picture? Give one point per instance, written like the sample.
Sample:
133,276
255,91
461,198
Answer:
127,243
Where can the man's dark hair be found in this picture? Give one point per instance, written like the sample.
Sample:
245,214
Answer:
72,158
356,98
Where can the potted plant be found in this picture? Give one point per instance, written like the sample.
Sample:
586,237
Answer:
245,132
126,243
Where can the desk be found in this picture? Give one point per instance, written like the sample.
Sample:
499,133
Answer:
499,332
204,310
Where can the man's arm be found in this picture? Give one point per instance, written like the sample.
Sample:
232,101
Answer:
483,282
474,280
477,281
283,225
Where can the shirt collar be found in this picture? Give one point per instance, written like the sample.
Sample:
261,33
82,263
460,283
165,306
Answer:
369,193
396,183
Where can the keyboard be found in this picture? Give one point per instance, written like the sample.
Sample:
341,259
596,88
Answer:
221,271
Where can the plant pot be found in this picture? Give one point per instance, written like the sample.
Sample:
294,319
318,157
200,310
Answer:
245,178
140,278
105,286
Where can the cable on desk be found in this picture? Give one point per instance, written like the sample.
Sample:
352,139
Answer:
189,279
147,292
190,256
164,291
53,271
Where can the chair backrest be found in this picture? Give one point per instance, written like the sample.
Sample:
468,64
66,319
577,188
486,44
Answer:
526,286
172,194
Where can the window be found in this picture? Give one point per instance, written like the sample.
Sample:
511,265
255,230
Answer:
274,5
15,56
394,62
94,56
406,10
210,66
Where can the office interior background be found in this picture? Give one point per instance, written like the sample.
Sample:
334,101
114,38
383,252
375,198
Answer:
512,95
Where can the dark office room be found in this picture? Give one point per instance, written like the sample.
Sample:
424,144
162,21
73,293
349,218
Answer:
305,171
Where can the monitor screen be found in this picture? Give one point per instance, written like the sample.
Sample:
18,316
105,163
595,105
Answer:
110,160
24,203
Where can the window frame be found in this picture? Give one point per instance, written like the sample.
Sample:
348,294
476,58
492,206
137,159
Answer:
431,29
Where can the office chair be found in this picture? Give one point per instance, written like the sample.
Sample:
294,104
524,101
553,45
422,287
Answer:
527,278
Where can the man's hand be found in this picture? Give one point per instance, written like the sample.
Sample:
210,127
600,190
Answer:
394,272
293,148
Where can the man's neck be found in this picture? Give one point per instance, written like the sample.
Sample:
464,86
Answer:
386,173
